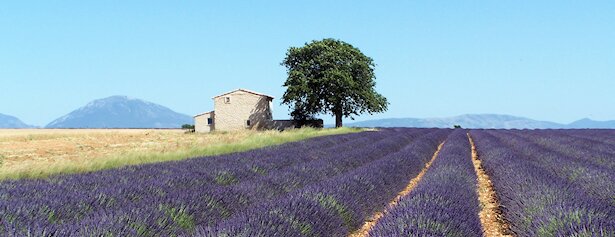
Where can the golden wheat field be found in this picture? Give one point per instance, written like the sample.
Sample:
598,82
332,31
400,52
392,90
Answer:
23,148
32,153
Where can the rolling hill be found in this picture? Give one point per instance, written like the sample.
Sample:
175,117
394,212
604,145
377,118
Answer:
481,121
7,121
121,112
588,123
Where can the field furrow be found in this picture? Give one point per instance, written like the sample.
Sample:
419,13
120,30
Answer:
596,181
174,197
444,203
373,220
606,136
390,182
584,150
491,218
536,201
335,207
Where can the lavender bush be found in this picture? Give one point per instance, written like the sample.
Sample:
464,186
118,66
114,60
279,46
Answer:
537,188
337,206
444,203
550,183
578,167
173,197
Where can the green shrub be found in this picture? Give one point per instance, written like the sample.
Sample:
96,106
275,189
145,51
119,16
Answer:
187,126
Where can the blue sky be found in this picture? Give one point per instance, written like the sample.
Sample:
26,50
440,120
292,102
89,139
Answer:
547,60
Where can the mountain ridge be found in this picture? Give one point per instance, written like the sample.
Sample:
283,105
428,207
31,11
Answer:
128,112
8,121
589,123
121,112
495,121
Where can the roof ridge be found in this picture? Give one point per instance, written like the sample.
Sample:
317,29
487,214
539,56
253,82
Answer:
203,113
246,90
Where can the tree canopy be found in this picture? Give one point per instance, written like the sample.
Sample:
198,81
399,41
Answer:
330,76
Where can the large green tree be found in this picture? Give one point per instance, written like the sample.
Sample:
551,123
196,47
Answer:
330,76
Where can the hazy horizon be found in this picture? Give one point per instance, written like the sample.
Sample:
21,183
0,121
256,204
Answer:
549,60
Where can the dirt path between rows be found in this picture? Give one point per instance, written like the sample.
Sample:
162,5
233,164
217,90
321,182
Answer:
490,215
371,222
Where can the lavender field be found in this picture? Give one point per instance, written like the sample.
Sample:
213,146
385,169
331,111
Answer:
552,183
546,183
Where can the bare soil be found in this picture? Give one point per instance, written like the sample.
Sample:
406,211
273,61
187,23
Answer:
371,222
490,215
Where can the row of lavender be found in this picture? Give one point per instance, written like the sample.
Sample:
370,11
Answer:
444,202
595,147
337,206
175,197
26,194
552,182
134,186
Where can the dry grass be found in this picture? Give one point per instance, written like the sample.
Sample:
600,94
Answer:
369,224
38,153
490,216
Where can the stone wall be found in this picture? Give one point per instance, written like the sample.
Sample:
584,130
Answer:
234,110
200,122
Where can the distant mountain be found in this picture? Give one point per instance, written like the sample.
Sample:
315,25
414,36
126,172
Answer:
121,112
481,121
7,121
588,123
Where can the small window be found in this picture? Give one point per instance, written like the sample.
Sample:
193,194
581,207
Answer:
209,121
248,123
227,100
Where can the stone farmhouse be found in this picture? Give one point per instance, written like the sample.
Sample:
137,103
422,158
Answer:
240,109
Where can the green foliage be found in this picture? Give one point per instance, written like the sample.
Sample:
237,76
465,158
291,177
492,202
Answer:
330,76
140,228
258,170
564,219
225,178
329,202
457,126
217,205
179,216
305,228
187,126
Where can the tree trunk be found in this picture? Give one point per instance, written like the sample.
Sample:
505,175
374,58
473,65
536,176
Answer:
338,118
